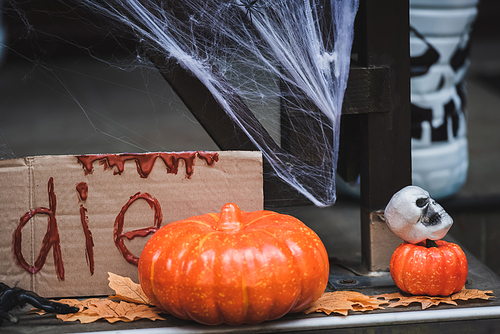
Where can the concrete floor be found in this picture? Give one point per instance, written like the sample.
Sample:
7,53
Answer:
81,105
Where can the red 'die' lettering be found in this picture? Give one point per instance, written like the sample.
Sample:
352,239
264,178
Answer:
83,191
119,221
50,240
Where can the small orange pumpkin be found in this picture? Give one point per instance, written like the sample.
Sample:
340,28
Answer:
433,271
234,267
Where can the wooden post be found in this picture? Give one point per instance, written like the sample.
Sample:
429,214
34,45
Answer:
385,137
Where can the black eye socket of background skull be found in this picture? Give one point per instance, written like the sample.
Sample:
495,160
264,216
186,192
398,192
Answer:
421,202
420,65
460,56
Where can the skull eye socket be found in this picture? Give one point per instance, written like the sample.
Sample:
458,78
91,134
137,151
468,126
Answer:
421,202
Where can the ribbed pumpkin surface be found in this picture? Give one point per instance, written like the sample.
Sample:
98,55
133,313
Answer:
433,271
234,267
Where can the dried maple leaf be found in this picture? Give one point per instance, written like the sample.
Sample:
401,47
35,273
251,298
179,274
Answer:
343,301
113,311
94,309
127,290
405,300
428,301
466,294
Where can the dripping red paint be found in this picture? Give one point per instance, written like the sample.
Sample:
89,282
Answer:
145,161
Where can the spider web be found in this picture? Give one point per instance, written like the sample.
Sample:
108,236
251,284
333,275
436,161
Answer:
269,54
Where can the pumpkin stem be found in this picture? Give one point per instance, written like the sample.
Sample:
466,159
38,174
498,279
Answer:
430,243
230,219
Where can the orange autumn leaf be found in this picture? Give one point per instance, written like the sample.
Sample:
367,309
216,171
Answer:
405,300
428,301
127,290
133,305
110,310
466,294
94,309
343,301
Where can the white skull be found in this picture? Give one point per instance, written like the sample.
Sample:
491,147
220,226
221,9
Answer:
414,216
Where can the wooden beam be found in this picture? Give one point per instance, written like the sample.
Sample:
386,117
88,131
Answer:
385,137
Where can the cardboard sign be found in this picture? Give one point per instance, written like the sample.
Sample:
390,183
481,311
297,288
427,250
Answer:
67,221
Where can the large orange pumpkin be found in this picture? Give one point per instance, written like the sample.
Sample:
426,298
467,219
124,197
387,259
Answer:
431,271
234,267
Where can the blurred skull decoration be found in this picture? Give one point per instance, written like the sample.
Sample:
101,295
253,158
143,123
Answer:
414,216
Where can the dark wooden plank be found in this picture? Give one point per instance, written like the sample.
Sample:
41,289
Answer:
368,91
385,137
